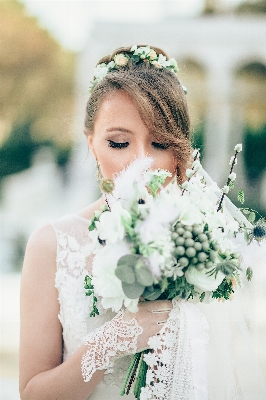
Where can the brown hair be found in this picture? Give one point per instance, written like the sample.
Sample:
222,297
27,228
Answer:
160,99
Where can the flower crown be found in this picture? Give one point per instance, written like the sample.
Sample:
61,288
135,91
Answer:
144,54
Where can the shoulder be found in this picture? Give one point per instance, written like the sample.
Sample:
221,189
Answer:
42,239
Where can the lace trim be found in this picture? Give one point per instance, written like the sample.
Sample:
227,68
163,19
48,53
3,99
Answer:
171,371
115,339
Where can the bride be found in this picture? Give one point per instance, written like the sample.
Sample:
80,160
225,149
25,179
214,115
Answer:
137,108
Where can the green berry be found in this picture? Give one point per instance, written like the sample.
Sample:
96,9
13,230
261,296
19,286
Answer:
200,266
196,230
202,257
189,242
194,261
179,251
180,241
180,231
187,235
198,246
174,235
188,228
183,261
215,246
209,265
190,252
213,255
205,246
202,237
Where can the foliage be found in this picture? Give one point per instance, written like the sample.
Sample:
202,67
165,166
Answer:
254,152
18,150
36,99
252,7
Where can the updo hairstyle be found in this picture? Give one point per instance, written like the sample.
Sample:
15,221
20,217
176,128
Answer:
159,97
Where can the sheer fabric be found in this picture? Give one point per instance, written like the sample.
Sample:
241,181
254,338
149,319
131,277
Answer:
73,263
236,347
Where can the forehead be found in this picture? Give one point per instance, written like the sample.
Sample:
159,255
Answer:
118,108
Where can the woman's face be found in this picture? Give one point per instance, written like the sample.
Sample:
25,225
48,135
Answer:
120,136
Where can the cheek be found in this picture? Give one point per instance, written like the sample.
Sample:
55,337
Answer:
111,162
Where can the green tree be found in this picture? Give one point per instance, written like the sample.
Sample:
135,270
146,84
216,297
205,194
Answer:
37,82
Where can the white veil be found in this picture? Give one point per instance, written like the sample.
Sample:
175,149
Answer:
237,329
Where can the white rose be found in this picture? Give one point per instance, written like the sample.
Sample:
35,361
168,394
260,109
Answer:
152,54
202,281
121,60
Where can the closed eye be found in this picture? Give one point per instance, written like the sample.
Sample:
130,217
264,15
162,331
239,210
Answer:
162,146
117,145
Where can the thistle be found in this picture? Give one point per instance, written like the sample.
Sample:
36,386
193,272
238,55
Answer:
259,230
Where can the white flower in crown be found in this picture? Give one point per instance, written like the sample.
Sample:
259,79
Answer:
121,60
142,52
152,55
100,71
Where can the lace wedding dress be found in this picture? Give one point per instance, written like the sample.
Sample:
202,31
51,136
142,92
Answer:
74,261
233,369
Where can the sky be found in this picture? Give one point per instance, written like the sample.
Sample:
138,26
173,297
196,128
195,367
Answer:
70,21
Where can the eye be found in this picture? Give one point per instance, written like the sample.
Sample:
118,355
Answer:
117,145
162,146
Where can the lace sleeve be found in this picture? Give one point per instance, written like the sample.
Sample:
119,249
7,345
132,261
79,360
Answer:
115,339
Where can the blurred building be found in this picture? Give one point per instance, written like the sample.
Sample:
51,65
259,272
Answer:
222,61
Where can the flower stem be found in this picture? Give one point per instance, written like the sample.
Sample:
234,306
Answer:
228,181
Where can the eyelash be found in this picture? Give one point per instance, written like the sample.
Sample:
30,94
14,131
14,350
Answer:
117,145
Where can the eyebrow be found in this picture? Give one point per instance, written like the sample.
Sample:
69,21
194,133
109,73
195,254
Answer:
118,129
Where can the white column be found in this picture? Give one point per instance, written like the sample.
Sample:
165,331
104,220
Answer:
218,122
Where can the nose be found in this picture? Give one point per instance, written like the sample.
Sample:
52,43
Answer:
142,150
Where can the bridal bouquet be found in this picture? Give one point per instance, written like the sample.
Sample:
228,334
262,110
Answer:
154,242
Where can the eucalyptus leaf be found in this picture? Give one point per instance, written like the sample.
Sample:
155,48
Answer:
125,268
252,217
143,274
152,293
125,273
134,290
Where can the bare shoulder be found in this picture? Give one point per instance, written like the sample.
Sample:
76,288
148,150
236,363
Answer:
40,255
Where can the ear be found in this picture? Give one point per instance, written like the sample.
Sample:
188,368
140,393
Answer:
91,146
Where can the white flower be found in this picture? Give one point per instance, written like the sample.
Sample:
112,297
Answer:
161,59
190,173
215,220
195,153
152,54
120,59
101,71
196,165
232,160
133,48
238,147
225,189
185,185
105,282
232,176
110,226
202,281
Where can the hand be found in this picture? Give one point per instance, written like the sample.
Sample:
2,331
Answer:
151,316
